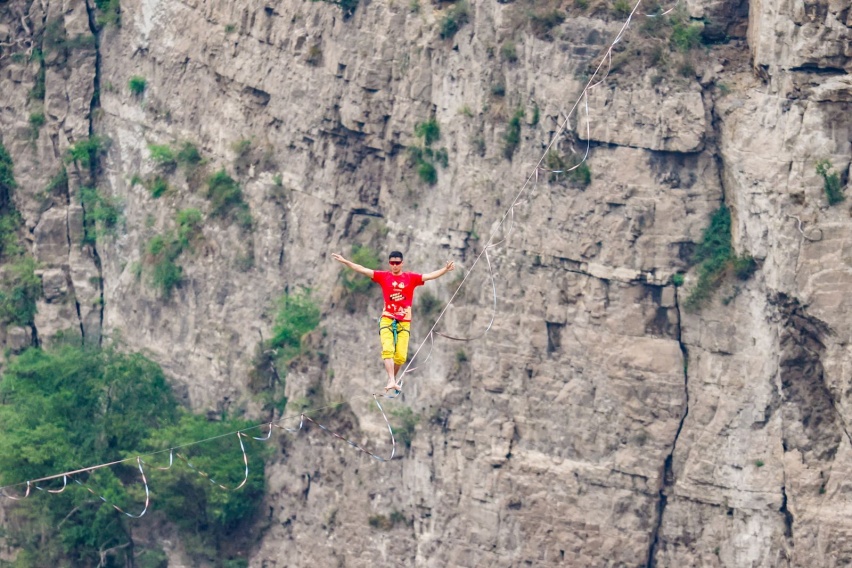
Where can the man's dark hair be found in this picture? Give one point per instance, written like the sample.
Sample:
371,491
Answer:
395,254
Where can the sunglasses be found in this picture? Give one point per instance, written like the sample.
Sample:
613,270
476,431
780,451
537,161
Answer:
394,262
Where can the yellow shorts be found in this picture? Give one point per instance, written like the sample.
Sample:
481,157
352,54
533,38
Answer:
398,350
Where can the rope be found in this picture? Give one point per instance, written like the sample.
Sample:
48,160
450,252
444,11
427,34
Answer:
304,416
812,239
113,505
591,83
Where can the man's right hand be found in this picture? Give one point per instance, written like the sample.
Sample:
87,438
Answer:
338,257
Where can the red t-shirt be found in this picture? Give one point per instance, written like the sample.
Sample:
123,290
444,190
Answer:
398,292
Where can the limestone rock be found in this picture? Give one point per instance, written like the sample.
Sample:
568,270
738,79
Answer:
644,118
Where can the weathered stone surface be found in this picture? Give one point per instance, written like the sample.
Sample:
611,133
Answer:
670,121
51,236
597,423
787,34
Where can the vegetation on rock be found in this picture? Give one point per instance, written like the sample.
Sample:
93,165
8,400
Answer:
455,17
226,199
715,257
70,406
137,85
163,251
423,157
831,182
19,285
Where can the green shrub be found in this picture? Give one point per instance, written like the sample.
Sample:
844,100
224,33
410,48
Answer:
386,523
158,187
297,315
226,199
404,422
678,280
427,173
19,290
428,305
686,35
189,222
498,90
148,558
622,8
744,266
137,85
380,522
38,91
110,12
509,52
55,40
314,55
428,131
366,257
423,158
10,223
166,274
542,23
241,147
831,182
102,214
188,156
560,168
7,178
512,137
87,152
37,120
714,257
442,157
163,251
455,17
162,155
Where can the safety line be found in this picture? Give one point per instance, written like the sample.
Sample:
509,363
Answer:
607,57
113,505
563,127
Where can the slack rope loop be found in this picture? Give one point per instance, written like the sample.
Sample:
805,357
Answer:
588,145
55,491
213,481
12,497
113,505
268,434
812,239
356,446
171,461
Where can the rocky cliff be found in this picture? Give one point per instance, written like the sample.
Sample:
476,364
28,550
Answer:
599,422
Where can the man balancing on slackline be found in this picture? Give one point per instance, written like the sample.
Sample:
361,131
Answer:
398,289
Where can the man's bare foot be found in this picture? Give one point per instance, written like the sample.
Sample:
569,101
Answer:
396,387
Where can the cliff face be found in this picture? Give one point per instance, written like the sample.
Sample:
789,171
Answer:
598,423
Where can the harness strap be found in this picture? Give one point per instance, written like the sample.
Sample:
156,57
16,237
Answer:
396,330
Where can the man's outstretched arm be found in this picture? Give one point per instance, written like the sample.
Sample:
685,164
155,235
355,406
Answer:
440,272
356,267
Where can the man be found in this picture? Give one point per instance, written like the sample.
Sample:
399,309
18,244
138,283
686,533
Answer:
398,289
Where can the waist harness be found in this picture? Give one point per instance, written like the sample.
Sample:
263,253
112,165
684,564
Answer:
395,329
